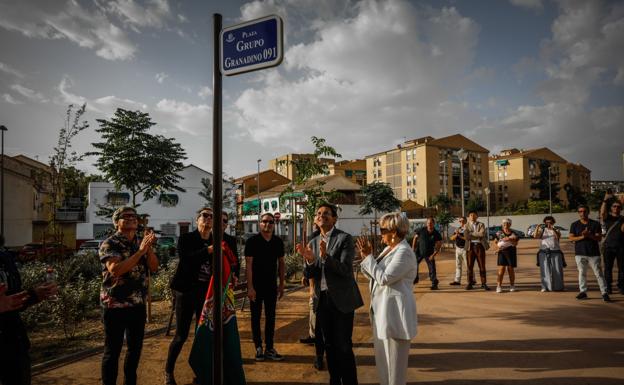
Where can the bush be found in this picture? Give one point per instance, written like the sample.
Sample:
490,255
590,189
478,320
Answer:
294,264
160,282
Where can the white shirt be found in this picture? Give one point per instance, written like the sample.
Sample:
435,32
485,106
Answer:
549,240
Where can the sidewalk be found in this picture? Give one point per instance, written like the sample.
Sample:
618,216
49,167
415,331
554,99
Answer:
465,337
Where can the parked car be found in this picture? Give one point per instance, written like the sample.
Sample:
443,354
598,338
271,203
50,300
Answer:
564,232
495,229
90,247
36,250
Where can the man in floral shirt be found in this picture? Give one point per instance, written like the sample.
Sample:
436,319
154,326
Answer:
126,260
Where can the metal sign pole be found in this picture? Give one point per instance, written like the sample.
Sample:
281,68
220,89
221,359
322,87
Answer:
217,204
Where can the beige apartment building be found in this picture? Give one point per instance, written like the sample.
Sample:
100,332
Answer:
423,168
354,170
512,172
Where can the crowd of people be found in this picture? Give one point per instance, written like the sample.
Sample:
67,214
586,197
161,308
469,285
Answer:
328,259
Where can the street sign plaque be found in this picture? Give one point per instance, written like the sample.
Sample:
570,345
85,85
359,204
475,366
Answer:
252,45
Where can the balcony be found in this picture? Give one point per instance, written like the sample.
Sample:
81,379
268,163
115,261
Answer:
70,215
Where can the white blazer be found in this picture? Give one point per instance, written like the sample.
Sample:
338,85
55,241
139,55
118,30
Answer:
392,301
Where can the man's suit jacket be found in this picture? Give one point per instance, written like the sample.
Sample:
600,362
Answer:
392,300
341,285
481,234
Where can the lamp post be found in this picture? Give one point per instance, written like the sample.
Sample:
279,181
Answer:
444,181
549,193
3,129
259,201
486,191
462,155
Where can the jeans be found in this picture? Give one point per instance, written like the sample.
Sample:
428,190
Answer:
431,266
551,269
269,298
117,322
186,305
460,260
611,256
594,261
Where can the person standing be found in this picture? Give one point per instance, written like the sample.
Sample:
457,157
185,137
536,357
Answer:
426,243
126,260
550,257
393,308
460,250
14,342
586,233
329,260
613,244
264,257
190,284
477,243
507,255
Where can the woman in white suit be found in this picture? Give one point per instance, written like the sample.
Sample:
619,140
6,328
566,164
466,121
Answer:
393,308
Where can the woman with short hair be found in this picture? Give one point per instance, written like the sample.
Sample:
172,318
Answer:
392,308
507,258
550,258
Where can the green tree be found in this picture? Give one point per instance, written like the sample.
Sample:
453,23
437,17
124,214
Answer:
540,182
229,192
575,196
475,204
129,156
443,204
378,197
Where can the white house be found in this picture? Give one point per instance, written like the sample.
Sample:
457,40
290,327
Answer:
172,213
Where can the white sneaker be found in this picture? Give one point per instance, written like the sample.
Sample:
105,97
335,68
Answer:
512,288
499,289
544,290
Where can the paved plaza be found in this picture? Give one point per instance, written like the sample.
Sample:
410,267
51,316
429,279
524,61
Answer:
465,337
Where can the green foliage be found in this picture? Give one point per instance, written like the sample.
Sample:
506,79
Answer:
442,202
378,197
575,196
535,207
594,199
229,192
160,289
129,156
476,204
540,182
293,264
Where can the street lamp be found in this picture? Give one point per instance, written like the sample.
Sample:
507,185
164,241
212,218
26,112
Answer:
259,201
549,193
462,155
486,191
3,129
444,181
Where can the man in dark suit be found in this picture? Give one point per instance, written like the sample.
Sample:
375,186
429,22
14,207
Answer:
329,261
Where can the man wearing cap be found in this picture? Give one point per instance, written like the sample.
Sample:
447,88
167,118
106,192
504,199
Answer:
126,260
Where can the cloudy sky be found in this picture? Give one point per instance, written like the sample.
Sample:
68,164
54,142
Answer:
366,75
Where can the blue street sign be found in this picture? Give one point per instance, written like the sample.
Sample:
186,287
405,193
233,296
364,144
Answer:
252,45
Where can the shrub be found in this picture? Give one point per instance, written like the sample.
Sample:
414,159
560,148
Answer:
160,282
294,264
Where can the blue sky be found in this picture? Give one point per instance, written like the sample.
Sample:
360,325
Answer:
363,74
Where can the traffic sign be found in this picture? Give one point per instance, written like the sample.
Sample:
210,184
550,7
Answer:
252,45
277,216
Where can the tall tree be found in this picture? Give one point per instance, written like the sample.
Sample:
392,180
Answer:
132,157
378,197
540,182
229,192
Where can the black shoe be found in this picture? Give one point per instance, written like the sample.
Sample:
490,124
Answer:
485,287
434,286
454,283
581,295
307,340
469,286
169,379
605,297
259,354
318,363
273,355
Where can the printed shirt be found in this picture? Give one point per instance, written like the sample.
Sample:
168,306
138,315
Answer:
130,289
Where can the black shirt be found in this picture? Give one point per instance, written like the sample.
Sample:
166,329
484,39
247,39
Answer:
265,255
460,240
427,241
615,238
587,247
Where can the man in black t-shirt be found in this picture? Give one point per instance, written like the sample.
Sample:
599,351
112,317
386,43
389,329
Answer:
586,233
613,243
264,253
426,244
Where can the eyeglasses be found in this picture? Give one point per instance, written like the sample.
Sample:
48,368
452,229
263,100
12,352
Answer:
616,207
582,211
206,215
268,222
128,216
384,230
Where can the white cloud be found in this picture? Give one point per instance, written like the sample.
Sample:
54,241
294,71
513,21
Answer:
185,117
29,94
9,99
160,77
154,13
67,97
204,92
530,4
112,102
10,70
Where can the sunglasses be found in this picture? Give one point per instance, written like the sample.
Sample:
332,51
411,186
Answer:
268,222
384,230
128,216
582,211
206,215
616,207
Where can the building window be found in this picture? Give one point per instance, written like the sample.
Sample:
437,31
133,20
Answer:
265,206
168,200
274,205
117,198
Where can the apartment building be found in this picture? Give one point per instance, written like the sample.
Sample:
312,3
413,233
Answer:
423,168
513,171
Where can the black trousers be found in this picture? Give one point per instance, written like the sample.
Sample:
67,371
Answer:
117,322
337,328
186,305
14,358
268,297
431,266
611,256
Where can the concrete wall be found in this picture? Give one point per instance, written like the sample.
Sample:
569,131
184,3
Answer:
521,222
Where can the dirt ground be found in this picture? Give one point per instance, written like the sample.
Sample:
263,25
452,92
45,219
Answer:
465,337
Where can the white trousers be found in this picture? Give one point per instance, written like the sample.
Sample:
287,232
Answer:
391,356
594,262
460,260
